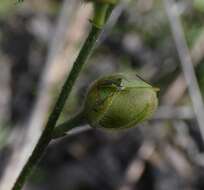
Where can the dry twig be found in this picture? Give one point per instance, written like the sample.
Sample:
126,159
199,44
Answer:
186,62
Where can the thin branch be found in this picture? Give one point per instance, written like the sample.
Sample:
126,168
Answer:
52,120
85,52
77,124
177,88
113,20
186,62
71,29
61,130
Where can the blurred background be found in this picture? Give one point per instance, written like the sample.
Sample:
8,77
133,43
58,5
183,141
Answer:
161,40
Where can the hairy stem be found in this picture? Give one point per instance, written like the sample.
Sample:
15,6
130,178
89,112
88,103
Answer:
66,89
75,121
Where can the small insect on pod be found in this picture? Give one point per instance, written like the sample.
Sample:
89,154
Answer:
119,101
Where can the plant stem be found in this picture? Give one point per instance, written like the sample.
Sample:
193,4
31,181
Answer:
52,120
74,122
100,12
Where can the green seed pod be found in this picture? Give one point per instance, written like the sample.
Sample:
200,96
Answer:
119,101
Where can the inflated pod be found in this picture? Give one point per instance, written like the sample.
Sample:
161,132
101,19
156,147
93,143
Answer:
119,101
